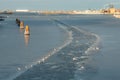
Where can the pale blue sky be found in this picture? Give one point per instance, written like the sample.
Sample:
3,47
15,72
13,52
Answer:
55,4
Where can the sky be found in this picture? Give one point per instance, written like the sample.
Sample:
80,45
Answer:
56,4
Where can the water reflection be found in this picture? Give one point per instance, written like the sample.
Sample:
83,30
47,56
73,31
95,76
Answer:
26,38
21,30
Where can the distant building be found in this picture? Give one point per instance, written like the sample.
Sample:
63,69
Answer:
25,10
109,11
112,10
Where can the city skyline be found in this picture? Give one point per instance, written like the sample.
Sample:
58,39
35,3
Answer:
56,4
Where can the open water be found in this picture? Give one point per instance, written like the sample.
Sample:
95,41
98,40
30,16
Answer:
60,47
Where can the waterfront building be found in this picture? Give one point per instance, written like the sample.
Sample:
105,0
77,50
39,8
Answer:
112,10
